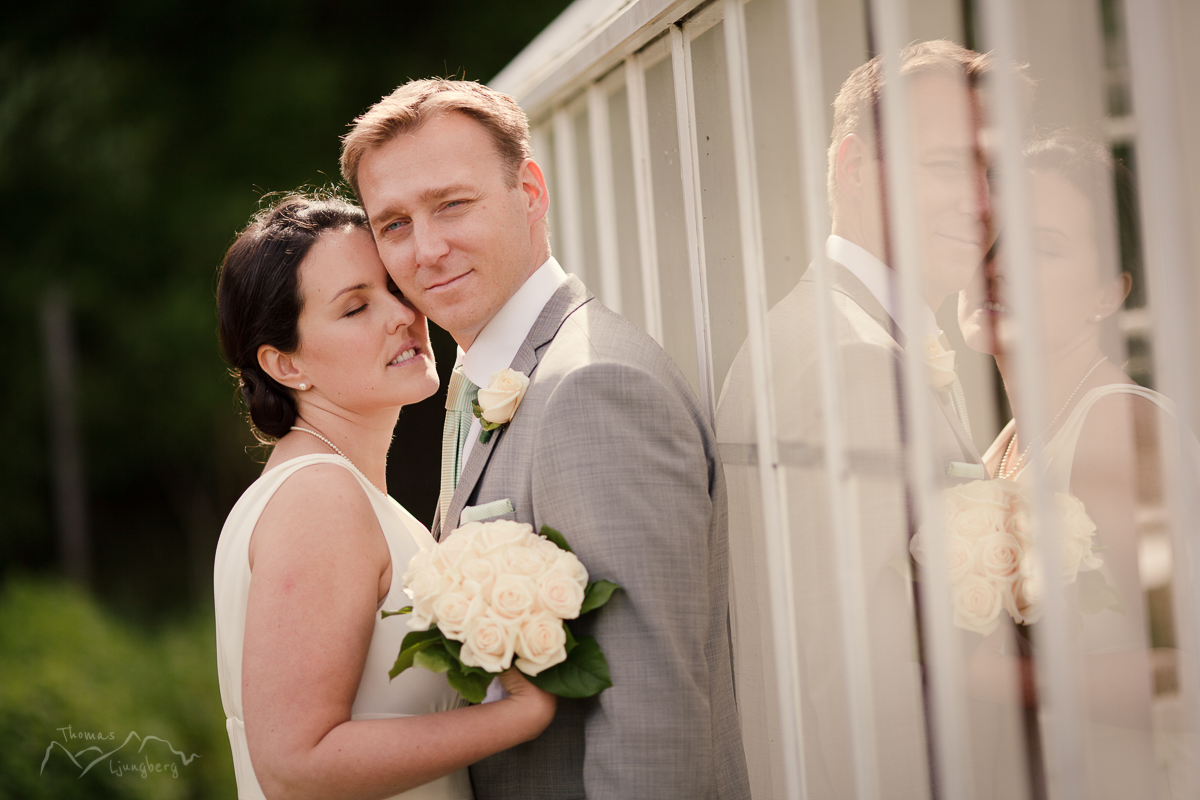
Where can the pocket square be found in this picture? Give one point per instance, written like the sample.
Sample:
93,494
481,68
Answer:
963,469
485,511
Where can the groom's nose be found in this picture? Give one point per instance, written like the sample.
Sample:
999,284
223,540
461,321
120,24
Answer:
429,244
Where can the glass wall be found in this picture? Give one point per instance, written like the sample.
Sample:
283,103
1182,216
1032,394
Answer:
929,267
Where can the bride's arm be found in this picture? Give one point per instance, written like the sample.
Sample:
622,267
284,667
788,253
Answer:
318,557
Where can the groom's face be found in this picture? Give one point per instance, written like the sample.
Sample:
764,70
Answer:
455,236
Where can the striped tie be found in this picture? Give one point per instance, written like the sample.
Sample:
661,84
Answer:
459,397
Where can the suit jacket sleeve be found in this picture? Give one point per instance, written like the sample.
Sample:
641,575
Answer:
620,468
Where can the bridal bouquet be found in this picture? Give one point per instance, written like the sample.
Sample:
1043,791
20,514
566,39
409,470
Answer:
993,562
494,594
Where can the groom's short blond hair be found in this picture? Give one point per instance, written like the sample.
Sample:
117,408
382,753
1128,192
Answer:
416,102
857,103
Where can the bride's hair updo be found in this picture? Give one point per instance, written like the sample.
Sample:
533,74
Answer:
259,300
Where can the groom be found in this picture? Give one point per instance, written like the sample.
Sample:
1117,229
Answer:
608,446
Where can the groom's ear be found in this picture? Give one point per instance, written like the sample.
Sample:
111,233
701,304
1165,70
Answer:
532,184
280,366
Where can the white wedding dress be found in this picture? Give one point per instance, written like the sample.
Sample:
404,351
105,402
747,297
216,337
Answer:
1123,762
416,691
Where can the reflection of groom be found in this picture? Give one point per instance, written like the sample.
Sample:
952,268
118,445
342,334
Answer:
870,335
608,445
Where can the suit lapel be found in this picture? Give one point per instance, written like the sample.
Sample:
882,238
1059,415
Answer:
570,296
845,282
970,452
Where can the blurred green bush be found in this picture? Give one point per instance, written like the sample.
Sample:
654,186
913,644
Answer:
67,661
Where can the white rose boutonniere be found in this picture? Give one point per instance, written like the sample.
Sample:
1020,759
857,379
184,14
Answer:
939,362
496,405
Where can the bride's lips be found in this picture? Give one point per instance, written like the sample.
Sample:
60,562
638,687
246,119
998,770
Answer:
407,354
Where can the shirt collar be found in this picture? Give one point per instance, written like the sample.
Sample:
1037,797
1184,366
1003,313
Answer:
497,344
880,282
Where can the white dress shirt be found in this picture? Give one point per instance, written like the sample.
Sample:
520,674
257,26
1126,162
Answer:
880,281
497,344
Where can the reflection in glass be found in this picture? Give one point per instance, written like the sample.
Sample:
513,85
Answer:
1102,458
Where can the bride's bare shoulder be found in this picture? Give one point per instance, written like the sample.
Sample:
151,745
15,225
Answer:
317,509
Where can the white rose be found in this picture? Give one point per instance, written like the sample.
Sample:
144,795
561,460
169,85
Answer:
498,402
977,605
1020,525
424,583
961,556
519,559
458,546
939,363
489,643
999,555
978,522
560,594
1077,530
418,621
454,611
547,548
514,597
417,563
502,533
1022,600
541,643
478,576
570,564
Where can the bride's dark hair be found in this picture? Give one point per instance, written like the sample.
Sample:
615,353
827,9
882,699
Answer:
259,300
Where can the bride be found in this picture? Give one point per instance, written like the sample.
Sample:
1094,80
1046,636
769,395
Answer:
1101,445
327,351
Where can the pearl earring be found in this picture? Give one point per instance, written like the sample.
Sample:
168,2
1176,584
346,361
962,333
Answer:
1098,318
303,386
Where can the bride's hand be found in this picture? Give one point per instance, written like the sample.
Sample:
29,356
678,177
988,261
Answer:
536,706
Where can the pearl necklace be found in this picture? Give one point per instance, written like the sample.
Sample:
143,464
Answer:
1020,462
340,453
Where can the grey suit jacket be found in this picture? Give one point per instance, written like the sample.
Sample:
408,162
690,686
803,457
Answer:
872,358
610,447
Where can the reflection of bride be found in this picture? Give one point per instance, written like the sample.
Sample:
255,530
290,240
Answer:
1102,446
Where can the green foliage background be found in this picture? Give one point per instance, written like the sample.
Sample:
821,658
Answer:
136,138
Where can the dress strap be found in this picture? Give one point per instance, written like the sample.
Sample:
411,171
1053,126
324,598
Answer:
1062,445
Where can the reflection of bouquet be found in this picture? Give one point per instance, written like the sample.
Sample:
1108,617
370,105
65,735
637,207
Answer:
492,594
993,562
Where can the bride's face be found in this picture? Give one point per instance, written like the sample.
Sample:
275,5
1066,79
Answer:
1071,289
362,345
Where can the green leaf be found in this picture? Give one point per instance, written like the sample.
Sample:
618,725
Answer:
570,638
420,636
555,537
413,643
453,647
597,594
435,658
470,682
583,674
386,614
477,410
407,656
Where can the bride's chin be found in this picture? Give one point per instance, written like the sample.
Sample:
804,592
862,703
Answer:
418,388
